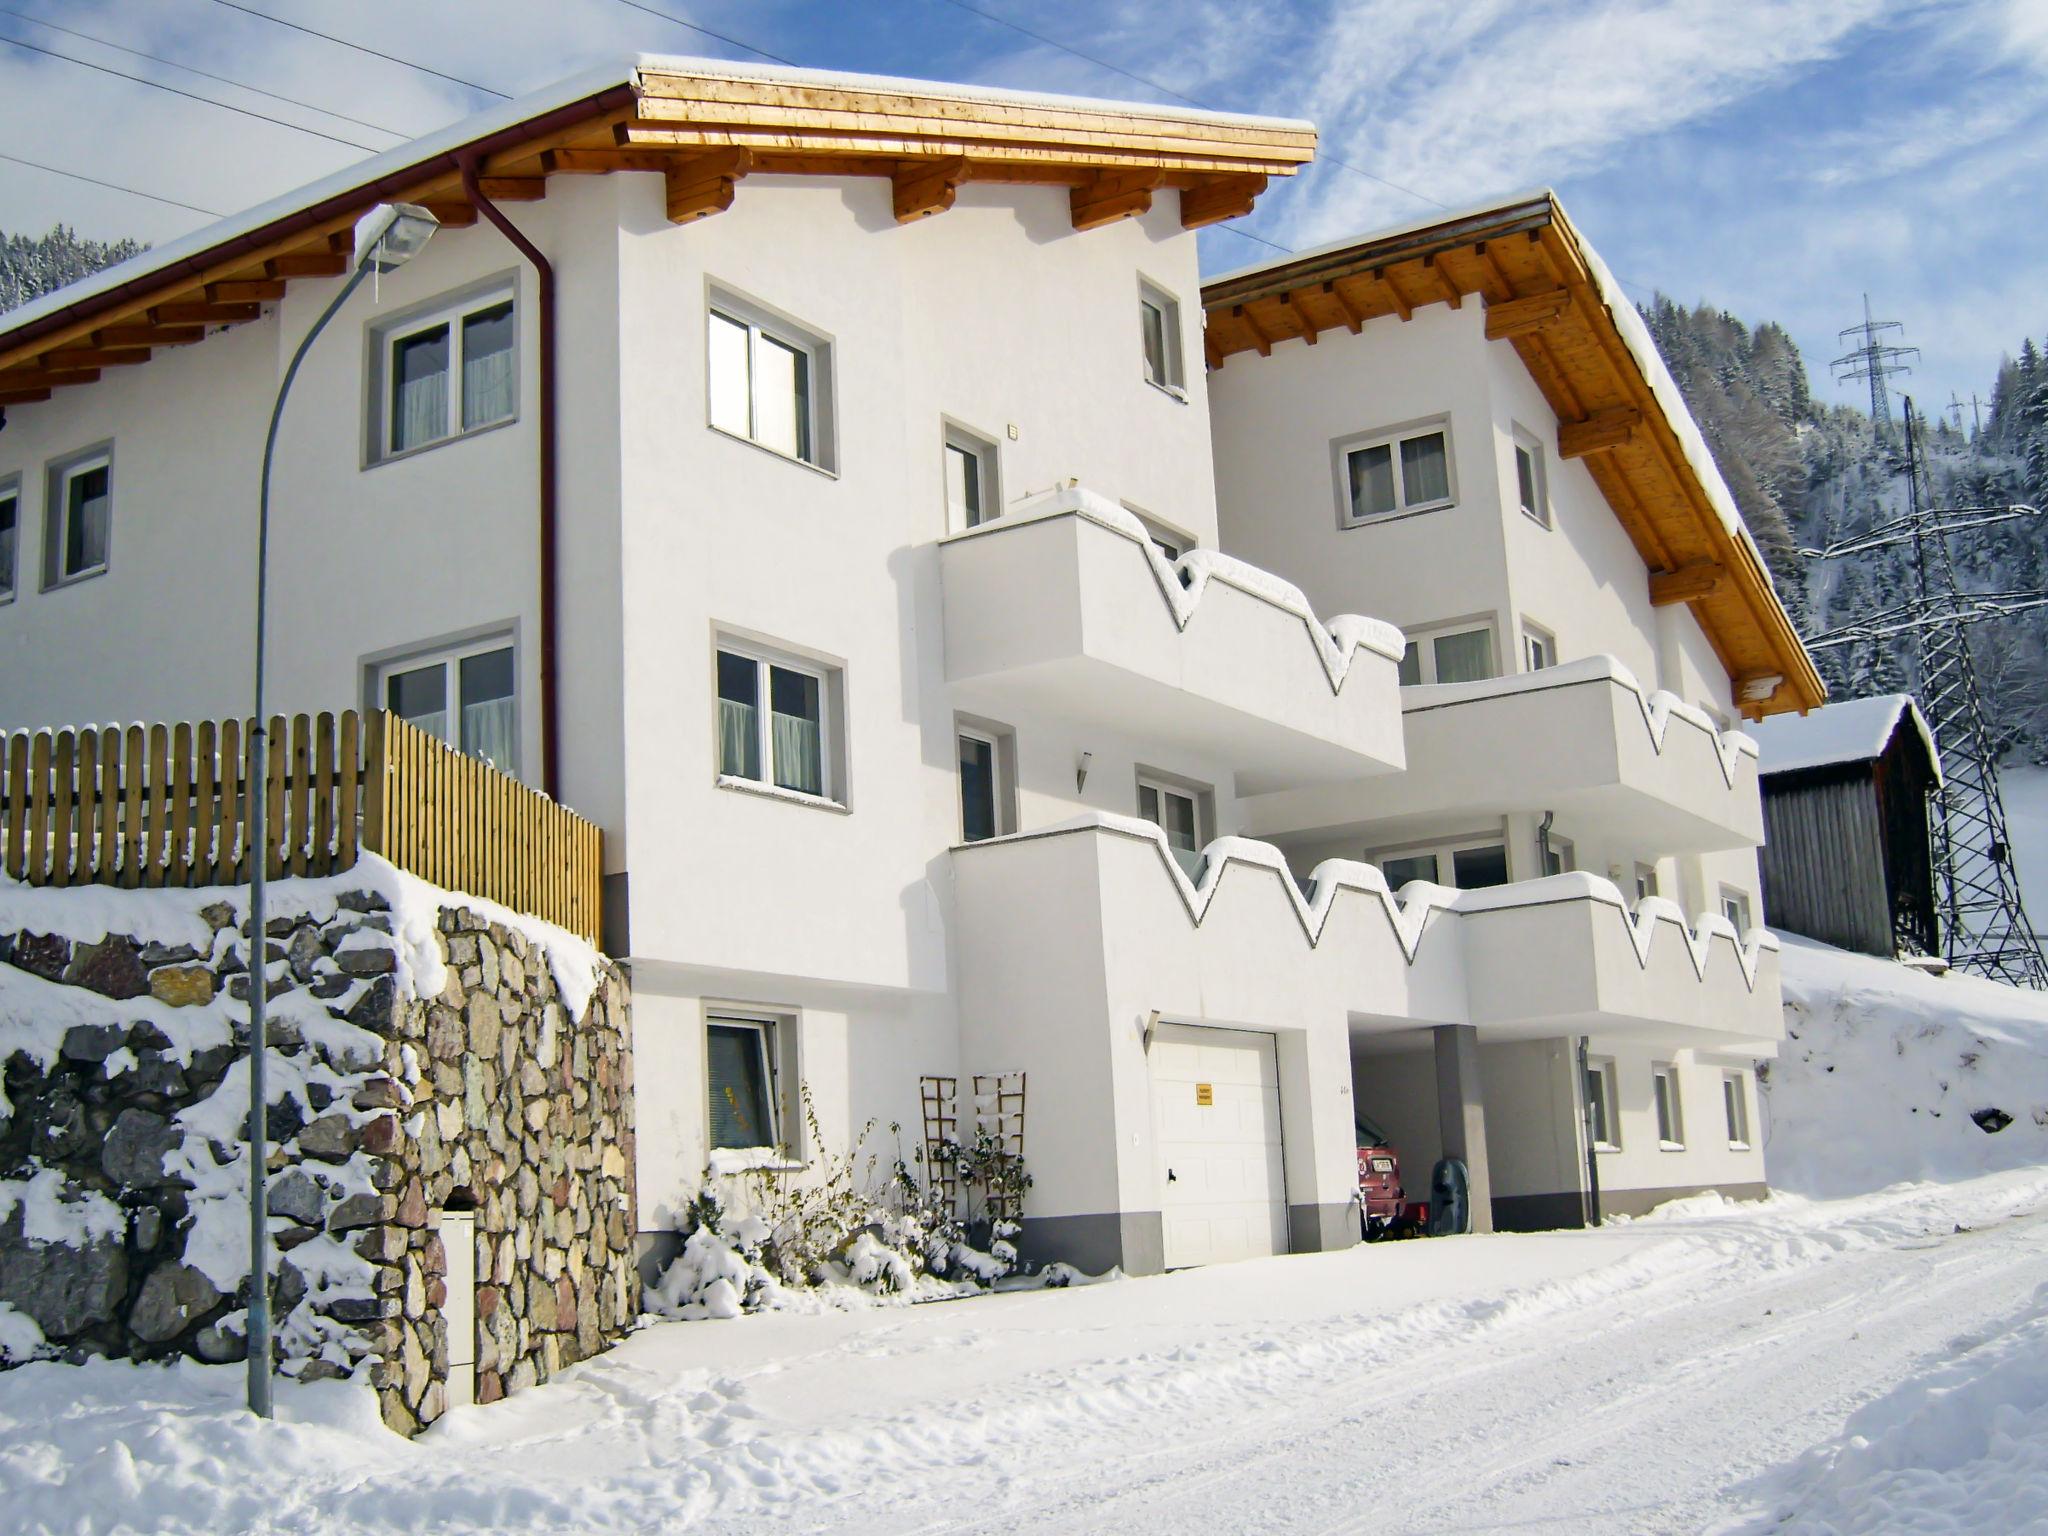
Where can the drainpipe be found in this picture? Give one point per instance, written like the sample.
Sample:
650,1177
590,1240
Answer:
1586,1122
549,735
1543,842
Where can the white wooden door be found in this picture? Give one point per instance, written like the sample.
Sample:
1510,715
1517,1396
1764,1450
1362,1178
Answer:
1216,1114
458,1240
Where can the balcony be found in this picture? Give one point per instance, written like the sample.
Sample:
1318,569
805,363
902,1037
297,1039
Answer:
1585,740
1246,946
1066,605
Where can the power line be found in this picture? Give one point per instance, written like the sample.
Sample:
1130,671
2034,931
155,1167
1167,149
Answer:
195,70
122,74
734,42
114,186
390,58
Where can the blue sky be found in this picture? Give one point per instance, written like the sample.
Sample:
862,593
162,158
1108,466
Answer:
1773,157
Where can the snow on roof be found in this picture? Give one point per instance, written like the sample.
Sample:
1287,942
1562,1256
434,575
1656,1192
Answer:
625,71
1852,731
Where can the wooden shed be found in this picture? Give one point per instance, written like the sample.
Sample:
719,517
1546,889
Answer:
1847,856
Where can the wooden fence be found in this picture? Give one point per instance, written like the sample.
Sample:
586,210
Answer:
169,805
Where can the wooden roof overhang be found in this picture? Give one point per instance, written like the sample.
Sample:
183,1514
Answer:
1529,269
703,132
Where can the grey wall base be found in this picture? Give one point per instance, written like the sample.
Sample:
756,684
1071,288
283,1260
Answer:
1567,1208
1639,1202
1133,1241
654,1252
1322,1228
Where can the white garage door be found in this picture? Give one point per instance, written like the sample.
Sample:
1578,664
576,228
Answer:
1216,1112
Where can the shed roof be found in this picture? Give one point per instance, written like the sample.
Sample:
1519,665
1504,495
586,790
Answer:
1851,731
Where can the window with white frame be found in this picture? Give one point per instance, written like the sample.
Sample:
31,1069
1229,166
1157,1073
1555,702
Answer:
1604,1125
1735,907
1159,336
1532,493
1670,1126
774,721
1177,809
972,494
448,372
78,527
1645,880
467,696
1735,1105
10,536
988,780
1539,648
1393,472
1463,654
769,381
743,1108
1474,864
1168,540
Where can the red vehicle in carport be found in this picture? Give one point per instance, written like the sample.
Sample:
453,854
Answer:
1384,1209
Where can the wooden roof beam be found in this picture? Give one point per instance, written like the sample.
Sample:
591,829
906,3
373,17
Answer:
244,292
701,185
94,357
921,188
1260,339
1688,584
1601,432
1518,317
514,189
1109,196
1354,322
1219,198
1399,300
47,378
453,212
306,264
186,313
1446,284
148,335
600,162
22,396
1299,305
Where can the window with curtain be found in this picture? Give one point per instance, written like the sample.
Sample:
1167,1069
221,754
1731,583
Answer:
10,517
450,372
762,382
1465,657
1177,812
786,744
739,1071
467,697
1395,472
81,504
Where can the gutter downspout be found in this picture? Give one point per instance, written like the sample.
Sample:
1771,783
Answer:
549,734
1586,1129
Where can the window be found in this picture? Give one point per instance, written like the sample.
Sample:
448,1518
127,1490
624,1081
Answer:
772,722
1169,541
1471,865
1177,809
1735,907
10,537
1539,648
1451,656
988,780
79,520
450,372
1735,1105
1159,333
768,381
1559,857
740,1072
468,697
1646,880
1391,473
1530,491
971,492
1670,1128
1603,1124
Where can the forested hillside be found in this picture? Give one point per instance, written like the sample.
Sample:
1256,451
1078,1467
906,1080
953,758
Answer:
1808,474
31,266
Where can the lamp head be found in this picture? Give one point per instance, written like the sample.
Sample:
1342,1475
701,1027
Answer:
393,233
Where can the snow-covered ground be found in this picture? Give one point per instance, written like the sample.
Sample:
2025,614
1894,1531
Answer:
1875,1361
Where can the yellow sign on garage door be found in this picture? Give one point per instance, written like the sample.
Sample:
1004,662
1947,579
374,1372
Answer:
1205,1094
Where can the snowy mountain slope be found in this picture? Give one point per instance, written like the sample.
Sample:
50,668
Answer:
1883,1067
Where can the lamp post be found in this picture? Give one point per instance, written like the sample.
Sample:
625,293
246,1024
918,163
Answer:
393,234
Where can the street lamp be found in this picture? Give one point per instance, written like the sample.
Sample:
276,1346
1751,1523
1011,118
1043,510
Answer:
390,236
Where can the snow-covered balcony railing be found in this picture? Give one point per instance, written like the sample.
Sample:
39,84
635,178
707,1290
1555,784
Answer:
1584,739
1066,604
1248,943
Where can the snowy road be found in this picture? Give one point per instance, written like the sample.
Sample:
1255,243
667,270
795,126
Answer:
1636,1379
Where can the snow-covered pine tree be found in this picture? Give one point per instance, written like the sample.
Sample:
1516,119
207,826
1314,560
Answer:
31,266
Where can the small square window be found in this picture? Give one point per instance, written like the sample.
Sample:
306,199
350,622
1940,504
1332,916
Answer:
447,373
1382,474
1531,491
1735,1105
1601,1122
1177,810
1645,881
1670,1125
789,743
467,697
1735,907
1159,337
78,525
768,381
740,1075
10,537
972,496
1539,649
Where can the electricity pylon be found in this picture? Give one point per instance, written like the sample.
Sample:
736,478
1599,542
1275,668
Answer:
1874,359
1983,919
